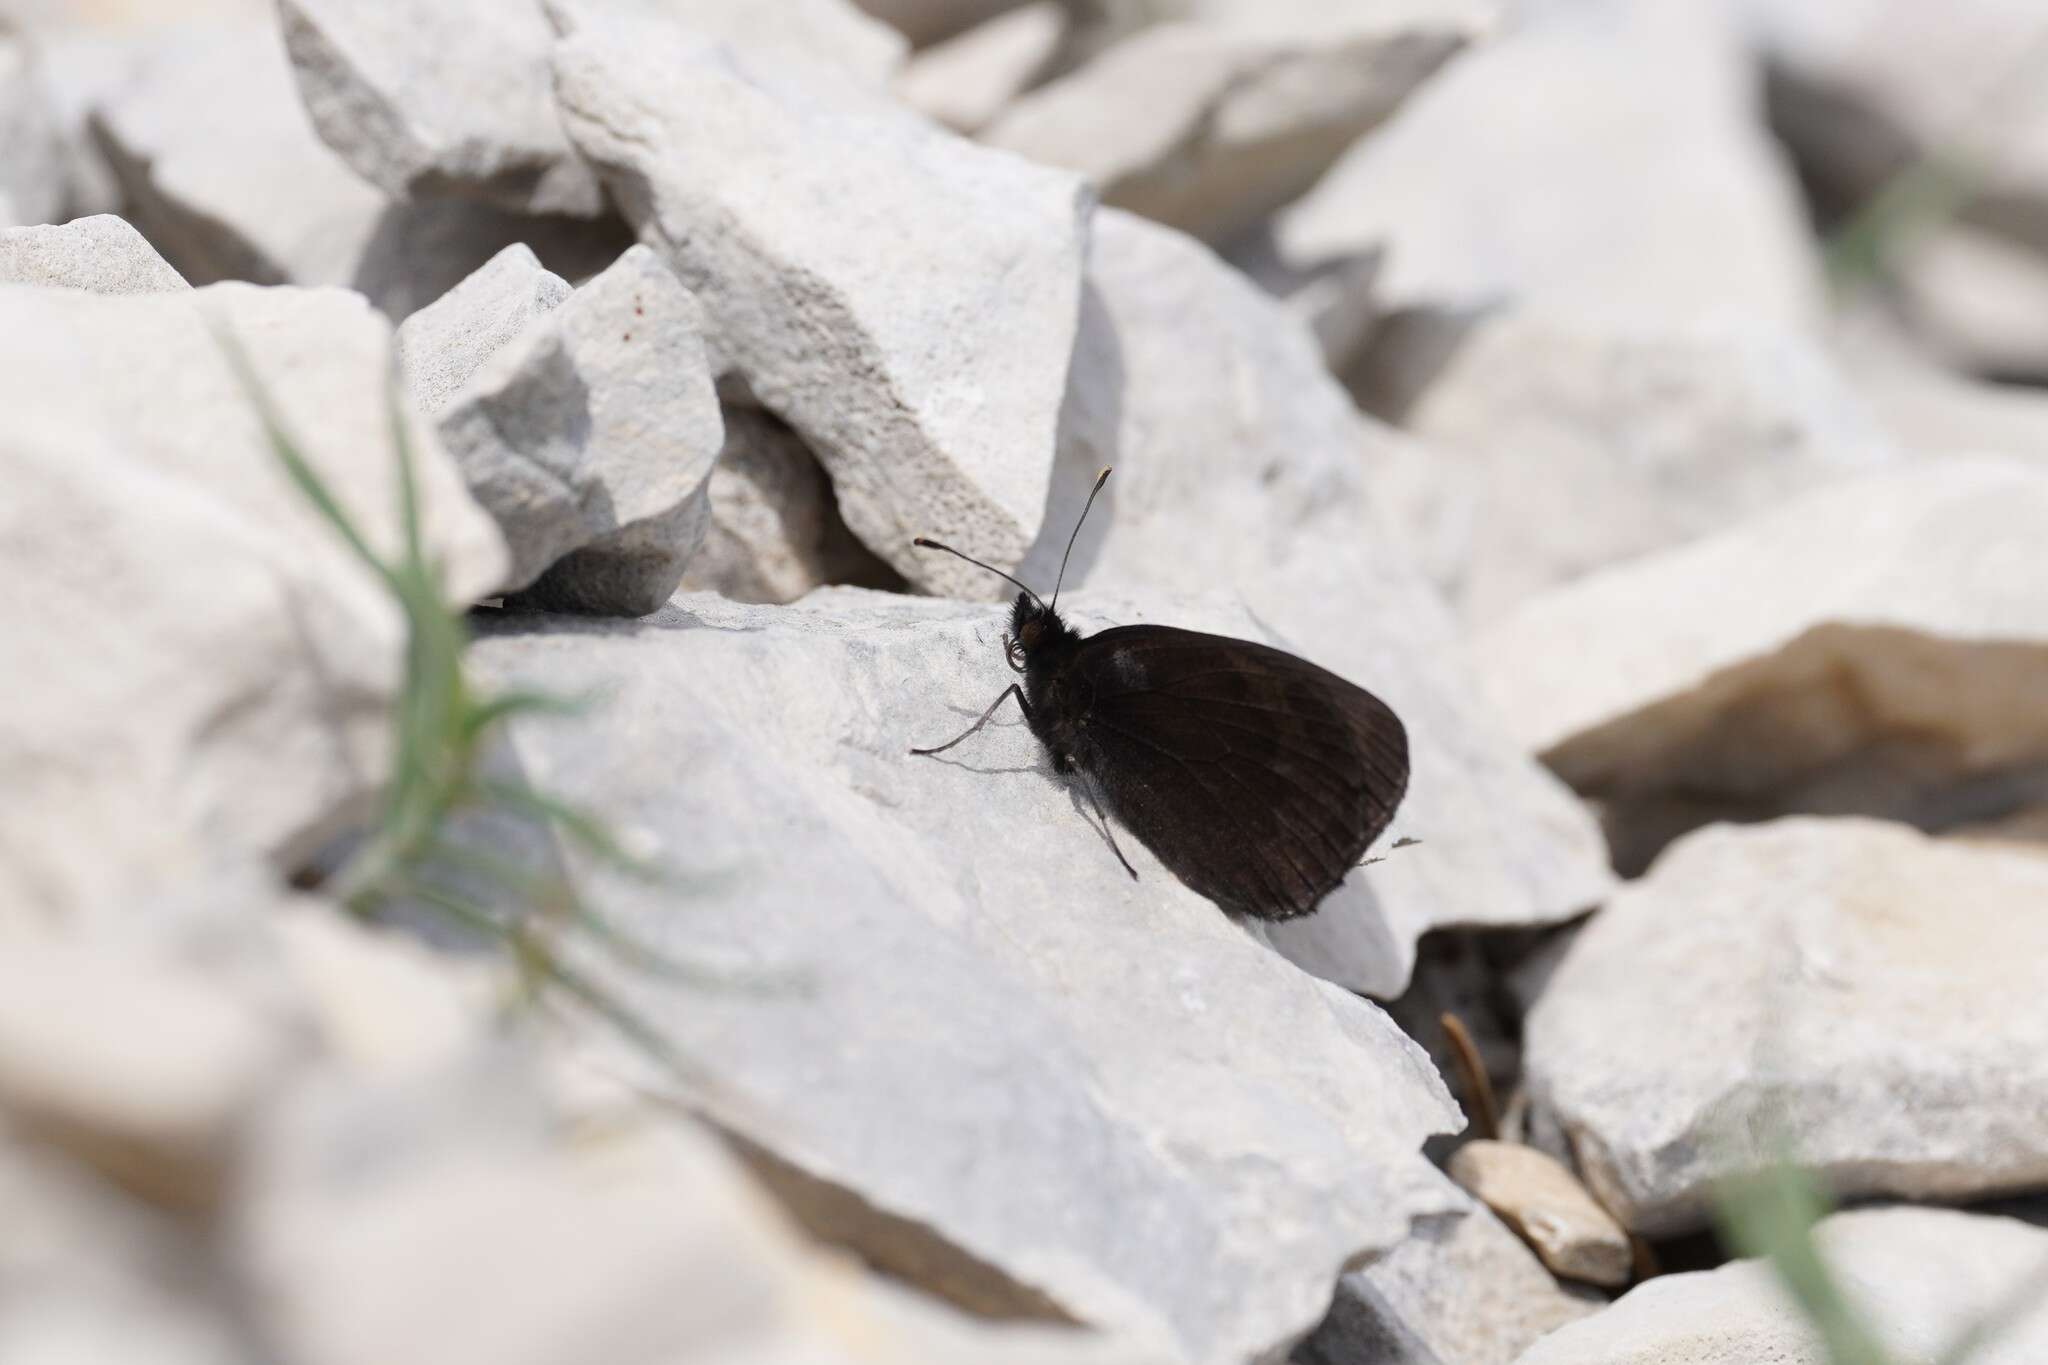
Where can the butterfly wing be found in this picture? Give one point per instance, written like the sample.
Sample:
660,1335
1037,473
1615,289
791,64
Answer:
1258,778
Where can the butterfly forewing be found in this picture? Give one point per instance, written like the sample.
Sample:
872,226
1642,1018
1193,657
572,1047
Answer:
1258,778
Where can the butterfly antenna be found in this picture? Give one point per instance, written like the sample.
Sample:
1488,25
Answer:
1100,479
923,544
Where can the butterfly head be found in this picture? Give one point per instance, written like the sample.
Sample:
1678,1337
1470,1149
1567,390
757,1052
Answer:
1036,631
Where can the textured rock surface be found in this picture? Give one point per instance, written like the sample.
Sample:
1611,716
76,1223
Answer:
775,531
585,422
1851,988
101,255
965,82
199,662
202,138
212,124
1211,126
472,1198
967,1031
831,33
438,99
864,327
1872,648
1242,469
1537,1197
1918,1278
1565,446
1461,1291
32,170
1644,127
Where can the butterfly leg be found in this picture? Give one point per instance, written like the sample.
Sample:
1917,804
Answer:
1013,690
1088,782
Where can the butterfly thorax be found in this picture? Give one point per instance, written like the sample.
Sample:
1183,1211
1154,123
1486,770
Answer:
1041,647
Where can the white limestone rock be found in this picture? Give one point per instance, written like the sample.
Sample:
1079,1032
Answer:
907,301
143,1073
1876,647
1011,1074
379,1217
828,33
1576,445
443,98
585,422
1863,88
1851,990
203,139
102,255
97,1277
32,166
1242,469
200,666
1209,127
209,128
967,81
775,531
1977,302
1918,1278
1607,165
925,22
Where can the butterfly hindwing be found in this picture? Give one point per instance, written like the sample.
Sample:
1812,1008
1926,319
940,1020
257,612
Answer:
1256,777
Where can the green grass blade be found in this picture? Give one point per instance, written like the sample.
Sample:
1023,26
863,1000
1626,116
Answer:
296,466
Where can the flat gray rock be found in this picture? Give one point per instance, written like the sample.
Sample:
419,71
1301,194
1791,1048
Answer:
200,666
977,1052
101,255
1565,445
437,99
1210,126
1852,990
1918,1278
585,422
867,325
1871,648
1243,470
1462,1290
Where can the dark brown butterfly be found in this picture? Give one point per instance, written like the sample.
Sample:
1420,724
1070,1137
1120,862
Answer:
1258,778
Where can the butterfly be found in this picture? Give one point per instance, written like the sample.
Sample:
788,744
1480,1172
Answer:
1256,777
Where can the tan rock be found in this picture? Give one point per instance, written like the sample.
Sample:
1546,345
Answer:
1876,647
1537,1197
